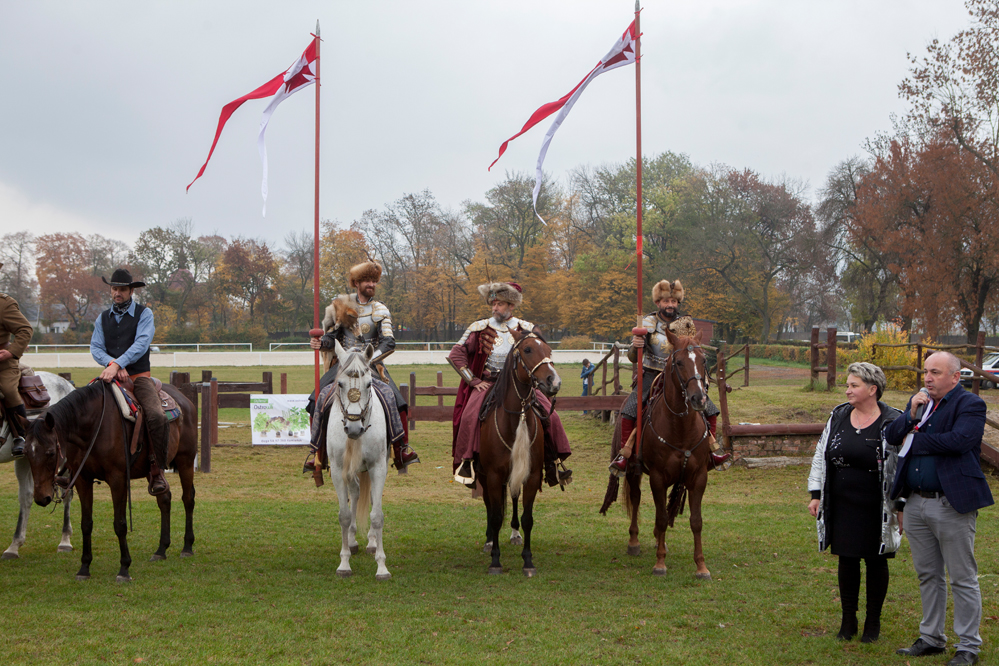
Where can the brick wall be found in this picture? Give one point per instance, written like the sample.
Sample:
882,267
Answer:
784,445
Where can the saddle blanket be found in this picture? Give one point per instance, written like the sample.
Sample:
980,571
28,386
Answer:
385,396
129,407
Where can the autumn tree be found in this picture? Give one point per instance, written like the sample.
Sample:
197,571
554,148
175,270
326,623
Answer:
247,271
17,275
65,277
339,249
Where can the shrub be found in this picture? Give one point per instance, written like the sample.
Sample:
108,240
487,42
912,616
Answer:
575,342
886,356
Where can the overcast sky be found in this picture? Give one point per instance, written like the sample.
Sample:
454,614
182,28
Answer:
110,107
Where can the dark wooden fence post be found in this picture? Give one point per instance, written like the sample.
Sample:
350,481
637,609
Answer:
440,383
919,364
723,397
284,383
206,375
617,371
831,359
206,423
976,383
411,401
268,379
745,379
814,355
215,411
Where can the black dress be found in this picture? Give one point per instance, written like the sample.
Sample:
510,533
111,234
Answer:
853,521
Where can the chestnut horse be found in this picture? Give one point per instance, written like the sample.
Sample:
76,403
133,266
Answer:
511,444
87,433
674,452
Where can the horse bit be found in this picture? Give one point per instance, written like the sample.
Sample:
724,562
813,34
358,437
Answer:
528,399
354,396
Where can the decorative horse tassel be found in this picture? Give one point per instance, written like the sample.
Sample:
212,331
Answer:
520,459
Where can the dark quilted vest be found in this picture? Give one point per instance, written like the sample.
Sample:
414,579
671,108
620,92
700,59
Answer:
118,337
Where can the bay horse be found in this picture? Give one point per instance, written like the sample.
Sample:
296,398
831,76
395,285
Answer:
58,388
511,441
87,434
358,448
674,452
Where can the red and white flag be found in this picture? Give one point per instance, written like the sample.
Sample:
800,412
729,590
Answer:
622,53
301,74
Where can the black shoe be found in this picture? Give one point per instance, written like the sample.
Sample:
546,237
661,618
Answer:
920,649
963,657
17,447
848,627
872,630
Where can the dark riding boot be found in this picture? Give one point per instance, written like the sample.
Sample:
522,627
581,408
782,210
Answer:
157,482
403,456
17,444
619,466
466,473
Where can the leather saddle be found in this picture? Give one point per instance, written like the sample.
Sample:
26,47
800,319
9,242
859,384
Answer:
125,397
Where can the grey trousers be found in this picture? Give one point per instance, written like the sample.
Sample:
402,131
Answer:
941,537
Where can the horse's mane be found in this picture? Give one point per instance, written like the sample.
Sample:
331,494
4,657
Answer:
70,408
355,365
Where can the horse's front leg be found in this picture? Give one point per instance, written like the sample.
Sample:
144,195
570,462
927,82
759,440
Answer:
530,493
85,491
163,502
66,544
515,538
634,478
119,500
696,522
344,516
377,478
658,486
494,496
25,486
186,474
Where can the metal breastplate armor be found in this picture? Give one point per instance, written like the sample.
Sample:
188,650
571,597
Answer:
503,342
374,326
657,346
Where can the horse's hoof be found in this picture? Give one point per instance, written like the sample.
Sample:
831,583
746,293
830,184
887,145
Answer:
82,576
122,579
156,557
517,540
353,550
530,572
187,553
634,551
9,556
659,572
488,548
384,576
703,576
63,549
370,550
495,571
344,573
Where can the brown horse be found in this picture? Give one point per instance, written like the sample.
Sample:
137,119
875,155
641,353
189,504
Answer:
511,445
674,452
87,433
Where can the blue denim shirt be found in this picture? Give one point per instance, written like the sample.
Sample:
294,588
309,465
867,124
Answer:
144,332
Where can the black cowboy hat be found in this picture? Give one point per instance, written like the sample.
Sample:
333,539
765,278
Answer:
122,278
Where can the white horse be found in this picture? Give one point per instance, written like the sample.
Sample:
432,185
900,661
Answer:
357,444
58,389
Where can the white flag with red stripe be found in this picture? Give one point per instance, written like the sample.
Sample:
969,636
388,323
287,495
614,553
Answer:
621,54
301,74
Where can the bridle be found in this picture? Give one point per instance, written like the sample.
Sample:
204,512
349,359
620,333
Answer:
354,394
58,492
525,400
675,370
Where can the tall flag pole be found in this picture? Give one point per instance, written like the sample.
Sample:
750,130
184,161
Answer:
639,330
315,255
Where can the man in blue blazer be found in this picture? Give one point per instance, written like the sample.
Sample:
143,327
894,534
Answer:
940,475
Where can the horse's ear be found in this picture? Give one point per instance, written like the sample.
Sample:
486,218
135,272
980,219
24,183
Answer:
369,351
698,337
672,337
49,421
517,334
338,348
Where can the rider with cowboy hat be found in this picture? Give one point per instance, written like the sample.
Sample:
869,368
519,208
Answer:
667,296
15,334
120,343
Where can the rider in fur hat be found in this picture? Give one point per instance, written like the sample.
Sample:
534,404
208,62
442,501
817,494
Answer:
479,357
667,296
357,320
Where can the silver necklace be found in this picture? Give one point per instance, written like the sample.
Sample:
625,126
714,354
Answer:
868,424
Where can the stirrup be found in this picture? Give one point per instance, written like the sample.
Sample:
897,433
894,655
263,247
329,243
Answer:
721,462
17,447
466,474
407,456
562,473
619,466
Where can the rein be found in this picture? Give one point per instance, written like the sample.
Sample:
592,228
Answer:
674,369
354,395
525,400
60,494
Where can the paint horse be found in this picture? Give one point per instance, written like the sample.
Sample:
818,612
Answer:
87,434
58,388
674,452
357,444
511,441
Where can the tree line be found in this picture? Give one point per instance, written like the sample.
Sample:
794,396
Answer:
903,234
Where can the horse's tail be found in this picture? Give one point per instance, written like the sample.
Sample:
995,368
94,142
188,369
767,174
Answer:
628,506
611,495
520,457
353,458
364,499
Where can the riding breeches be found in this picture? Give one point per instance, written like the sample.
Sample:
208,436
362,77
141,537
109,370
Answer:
10,377
152,413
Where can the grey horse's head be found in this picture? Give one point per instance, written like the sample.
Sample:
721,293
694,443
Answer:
354,388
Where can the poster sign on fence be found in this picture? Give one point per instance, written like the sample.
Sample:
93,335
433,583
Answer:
279,419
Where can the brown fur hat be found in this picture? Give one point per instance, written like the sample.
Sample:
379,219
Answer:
364,272
667,289
340,313
508,292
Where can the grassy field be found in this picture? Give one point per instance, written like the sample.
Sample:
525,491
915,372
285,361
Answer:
261,587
